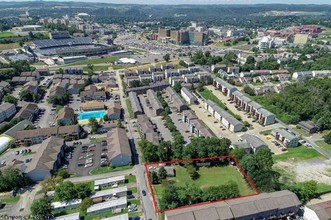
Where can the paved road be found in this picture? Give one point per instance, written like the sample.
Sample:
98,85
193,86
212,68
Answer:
148,207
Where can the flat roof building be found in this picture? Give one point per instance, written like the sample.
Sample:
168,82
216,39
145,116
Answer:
120,203
108,193
109,181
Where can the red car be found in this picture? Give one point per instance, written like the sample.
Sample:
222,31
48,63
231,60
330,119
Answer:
104,149
91,150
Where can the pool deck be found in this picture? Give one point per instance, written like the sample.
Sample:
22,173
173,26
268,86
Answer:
85,121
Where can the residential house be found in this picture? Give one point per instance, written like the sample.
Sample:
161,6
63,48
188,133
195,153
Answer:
31,74
119,149
253,142
135,104
47,160
157,76
7,110
188,96
174,79
285,137
318,211
31,87
107,194
154,102
28,112
61,206
66,116
4,88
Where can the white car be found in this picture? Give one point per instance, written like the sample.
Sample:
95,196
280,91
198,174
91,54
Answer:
88,165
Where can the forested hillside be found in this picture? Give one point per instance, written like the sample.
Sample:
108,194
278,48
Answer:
309,99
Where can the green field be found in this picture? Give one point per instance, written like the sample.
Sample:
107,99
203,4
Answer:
96,61
324,145
222,44
298,153
301,132
101,170
209,176
128,106
6,34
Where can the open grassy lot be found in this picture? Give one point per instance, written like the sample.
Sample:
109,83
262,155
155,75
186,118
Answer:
301,132
96,61
9,46
209,176
324,145
97,68
298,153
128,105
231,44
323,188
6,34
109,169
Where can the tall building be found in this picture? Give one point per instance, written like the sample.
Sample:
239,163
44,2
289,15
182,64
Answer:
163,33
198,38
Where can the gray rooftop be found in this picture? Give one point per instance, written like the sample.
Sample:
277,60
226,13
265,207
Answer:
253,140
136,107
284,133
152,97
225,84
232,120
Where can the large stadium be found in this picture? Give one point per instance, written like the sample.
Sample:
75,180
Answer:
73,46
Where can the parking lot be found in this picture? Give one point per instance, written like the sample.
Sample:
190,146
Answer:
86,157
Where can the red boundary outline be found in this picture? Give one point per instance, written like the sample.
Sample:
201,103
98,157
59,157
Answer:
190,160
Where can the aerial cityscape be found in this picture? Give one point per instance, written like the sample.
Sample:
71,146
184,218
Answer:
165,110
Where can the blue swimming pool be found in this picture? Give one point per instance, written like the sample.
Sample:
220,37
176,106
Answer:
88,115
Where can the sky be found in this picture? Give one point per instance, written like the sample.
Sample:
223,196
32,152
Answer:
218,1
207,1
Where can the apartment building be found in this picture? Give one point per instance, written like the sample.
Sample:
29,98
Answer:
226,88
196,126
188,96
176,99
135,104
6,111
285,137
223,116
154,102
36,136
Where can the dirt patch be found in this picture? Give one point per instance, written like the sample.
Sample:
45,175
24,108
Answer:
315,169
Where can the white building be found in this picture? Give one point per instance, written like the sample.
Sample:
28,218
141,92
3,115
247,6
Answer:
59,206
73,216
109,181
266,43
117,204
188,96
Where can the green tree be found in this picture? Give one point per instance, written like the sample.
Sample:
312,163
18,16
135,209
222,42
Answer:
120,124
177,87
164,151
264,159
238,153
154,178
86,203
11,178
26,95
50,183
105,117
166,57
41,209
308,190
162,173
10,99
66,191
149,151
249,90
93,123
83,190
62,173
327,138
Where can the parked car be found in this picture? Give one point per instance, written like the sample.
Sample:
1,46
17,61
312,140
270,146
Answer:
143,192
80,164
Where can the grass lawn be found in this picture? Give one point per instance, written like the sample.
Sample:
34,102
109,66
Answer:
301,132
134,201
9,46
97,140
6,34
222,44
96,61
132,190
58,108
209,176
97,68
109,169
128,105
298,153
323,188
130,178
10,199
324,145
